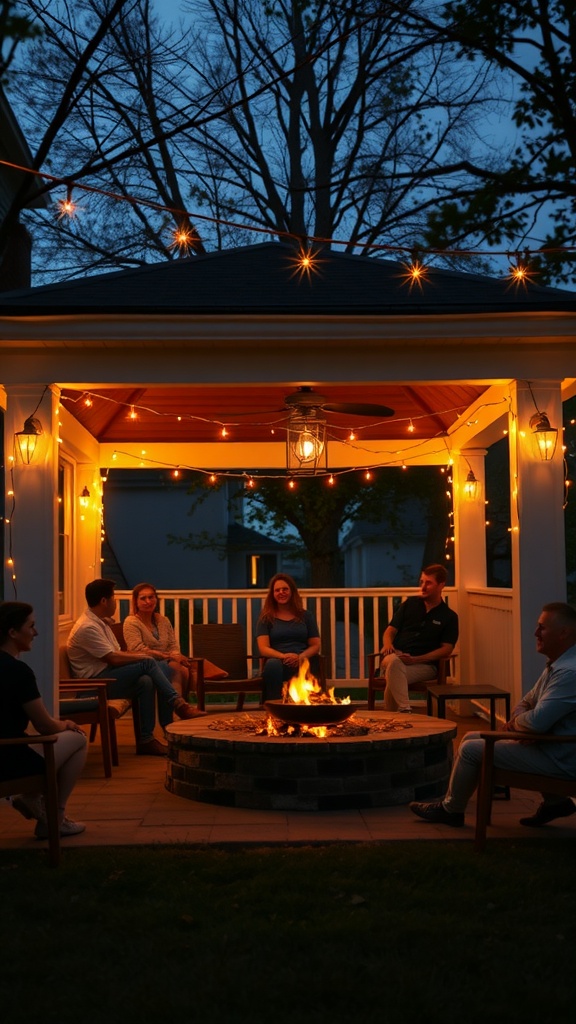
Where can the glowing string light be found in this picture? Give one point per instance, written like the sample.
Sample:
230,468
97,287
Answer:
415,273
520,273
183,239
67,207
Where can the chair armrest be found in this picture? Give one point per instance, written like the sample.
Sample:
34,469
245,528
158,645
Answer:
534,737
198,665
15,741
84,684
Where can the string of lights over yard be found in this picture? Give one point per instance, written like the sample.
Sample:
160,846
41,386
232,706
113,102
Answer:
307,260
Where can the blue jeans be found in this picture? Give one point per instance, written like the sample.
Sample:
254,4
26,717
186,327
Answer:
139,682
516,756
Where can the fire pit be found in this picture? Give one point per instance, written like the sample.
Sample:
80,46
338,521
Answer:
305,703
373,759
312,715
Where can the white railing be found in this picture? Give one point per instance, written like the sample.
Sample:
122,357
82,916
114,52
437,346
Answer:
491,627
351,621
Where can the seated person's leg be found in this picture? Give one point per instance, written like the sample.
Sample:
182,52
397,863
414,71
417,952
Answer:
273,676
396,692
131,684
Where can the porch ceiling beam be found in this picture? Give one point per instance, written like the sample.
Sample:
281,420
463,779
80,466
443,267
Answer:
272,456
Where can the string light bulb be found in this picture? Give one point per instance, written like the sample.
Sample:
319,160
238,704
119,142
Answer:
415,273
183,239
520,273
67,207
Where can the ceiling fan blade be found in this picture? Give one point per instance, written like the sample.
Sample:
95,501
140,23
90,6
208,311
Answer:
358,409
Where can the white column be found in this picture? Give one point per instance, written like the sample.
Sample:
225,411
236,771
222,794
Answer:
31,569
469,548
537,518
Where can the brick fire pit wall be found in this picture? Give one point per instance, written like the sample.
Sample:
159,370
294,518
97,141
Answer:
240,769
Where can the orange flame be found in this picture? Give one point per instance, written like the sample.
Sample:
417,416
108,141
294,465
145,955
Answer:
301,686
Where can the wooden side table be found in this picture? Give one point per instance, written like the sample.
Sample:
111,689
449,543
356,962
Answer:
490,693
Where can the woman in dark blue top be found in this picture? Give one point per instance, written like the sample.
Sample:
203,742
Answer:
286,634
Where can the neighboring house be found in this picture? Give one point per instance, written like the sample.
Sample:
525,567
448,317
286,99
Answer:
142,508
15,255
376,556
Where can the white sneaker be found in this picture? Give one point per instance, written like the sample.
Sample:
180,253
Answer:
71,828
31,806
67,828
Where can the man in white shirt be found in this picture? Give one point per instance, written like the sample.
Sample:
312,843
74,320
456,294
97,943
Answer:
94,652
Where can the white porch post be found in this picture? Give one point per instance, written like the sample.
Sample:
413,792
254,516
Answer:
32,534
537,518
469,549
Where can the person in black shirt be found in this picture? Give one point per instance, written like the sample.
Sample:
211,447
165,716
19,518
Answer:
22,706
422,630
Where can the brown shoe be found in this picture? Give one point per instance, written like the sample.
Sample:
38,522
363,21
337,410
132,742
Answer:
182,709
153,749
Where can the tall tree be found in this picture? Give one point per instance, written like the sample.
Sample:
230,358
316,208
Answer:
90,95
527,197
15,27
310,519
312,119
326,105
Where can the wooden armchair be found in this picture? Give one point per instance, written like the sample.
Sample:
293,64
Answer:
492,776
225,646
45,783
85,701
376,682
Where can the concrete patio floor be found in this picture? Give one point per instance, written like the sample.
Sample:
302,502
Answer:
133,808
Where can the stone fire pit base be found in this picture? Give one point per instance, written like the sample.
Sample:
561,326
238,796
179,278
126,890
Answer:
211,764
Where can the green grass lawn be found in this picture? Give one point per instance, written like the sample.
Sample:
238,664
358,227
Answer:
310,935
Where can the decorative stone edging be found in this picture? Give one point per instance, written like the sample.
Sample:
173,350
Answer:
379,769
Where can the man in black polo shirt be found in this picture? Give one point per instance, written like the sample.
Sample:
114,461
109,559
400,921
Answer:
422,630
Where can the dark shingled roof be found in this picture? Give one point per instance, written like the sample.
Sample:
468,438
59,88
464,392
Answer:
265,278
243,537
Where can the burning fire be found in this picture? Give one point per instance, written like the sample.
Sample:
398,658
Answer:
304,688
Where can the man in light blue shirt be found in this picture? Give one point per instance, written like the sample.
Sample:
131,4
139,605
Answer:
549,707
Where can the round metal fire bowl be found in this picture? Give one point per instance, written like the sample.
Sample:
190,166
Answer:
310,714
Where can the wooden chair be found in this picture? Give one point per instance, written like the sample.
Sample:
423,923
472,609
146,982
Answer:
491,776
85,701
225,646
376,682
45,783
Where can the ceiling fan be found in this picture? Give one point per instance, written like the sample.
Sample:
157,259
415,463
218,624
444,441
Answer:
305,399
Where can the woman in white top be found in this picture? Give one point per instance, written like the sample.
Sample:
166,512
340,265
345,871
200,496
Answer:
148,631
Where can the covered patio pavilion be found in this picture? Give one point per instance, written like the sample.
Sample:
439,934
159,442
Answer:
197,343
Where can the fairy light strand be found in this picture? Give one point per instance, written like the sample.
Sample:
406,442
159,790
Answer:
416,271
